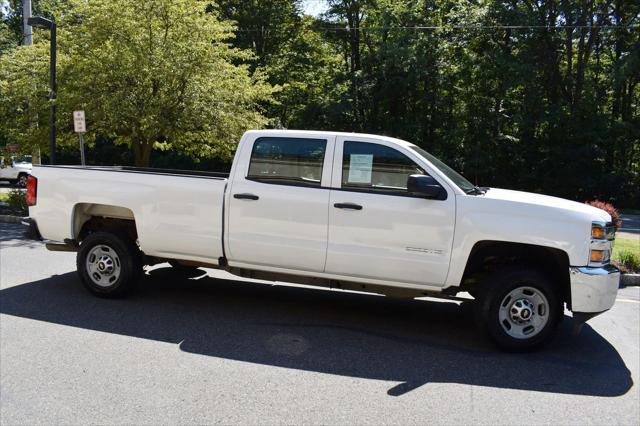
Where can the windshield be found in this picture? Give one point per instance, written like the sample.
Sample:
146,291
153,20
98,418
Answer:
455,177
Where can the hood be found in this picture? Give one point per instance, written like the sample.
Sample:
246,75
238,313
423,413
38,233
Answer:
547,201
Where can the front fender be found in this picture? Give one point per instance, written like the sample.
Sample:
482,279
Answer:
480,219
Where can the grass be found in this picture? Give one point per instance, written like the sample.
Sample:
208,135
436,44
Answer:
626,244
4,197
626,254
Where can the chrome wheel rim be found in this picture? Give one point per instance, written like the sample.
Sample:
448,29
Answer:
103,265
524,312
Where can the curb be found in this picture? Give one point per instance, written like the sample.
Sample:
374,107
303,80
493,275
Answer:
630,280
5,218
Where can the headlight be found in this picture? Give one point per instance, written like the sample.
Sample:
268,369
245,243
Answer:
600,256
602,236
598,232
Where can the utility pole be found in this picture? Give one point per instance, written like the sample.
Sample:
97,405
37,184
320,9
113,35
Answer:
41,22
27,39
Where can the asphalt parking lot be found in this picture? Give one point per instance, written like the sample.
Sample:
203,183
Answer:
211,348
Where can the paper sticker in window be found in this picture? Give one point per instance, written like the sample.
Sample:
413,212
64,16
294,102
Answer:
360,166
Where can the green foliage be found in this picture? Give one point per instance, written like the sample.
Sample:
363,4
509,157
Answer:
626,254
162,75
16,200
295,58
24,85
626,244
629,261
155,74
538,108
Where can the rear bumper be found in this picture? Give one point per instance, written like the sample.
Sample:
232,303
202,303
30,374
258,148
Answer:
593,289
32,232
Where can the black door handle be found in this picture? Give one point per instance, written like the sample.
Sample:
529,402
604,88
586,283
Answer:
245,196
350,206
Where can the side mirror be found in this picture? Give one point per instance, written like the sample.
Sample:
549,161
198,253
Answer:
425,186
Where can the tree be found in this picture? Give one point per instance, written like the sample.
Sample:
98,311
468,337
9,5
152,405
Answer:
264,26
312,87
157,74
160,74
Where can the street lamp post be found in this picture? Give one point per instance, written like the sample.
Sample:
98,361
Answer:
38,21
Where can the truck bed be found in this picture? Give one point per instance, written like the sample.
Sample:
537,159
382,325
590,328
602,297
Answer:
178,214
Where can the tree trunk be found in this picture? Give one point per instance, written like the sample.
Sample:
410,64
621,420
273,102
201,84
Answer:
142,153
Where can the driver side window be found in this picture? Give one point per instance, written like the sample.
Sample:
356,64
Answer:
372,167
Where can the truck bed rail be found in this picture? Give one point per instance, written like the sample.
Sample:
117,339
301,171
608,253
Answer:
147,170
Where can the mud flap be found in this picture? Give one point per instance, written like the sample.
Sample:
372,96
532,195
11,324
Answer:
579,318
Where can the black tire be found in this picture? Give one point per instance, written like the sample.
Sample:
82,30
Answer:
128,260
493,298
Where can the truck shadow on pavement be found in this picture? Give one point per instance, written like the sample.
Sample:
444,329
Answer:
410,342
13,236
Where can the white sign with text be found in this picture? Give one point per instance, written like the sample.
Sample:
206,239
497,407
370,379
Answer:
79,125
360,167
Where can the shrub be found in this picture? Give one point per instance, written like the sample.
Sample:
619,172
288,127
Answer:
17,200
629,261
607,207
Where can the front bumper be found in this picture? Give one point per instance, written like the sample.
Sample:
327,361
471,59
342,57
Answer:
593,289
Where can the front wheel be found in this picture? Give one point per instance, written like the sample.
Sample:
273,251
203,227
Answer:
520,308
109,265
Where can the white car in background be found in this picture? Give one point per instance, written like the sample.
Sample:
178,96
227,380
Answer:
16,170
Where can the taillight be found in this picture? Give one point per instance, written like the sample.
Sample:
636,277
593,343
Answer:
32,191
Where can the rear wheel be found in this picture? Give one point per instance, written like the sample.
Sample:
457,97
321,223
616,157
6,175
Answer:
520,308
109,265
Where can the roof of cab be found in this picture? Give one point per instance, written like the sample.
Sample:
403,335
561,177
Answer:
298,133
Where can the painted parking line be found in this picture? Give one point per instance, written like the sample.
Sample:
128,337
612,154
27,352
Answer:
628,300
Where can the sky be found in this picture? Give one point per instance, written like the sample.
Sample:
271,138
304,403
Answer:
314,7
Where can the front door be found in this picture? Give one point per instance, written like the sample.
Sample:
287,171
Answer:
278,205
376,228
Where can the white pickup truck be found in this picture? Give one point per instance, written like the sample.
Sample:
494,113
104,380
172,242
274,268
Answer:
343,210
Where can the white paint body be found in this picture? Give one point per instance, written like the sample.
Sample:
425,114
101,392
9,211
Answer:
394,241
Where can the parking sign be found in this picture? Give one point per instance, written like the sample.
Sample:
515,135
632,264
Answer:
78,122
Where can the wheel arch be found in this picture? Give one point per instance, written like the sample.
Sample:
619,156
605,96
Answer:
92,217
488,256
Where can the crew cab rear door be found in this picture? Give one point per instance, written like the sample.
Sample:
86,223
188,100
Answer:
279,200
376,228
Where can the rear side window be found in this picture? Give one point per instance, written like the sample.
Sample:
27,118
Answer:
287,161
378,168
